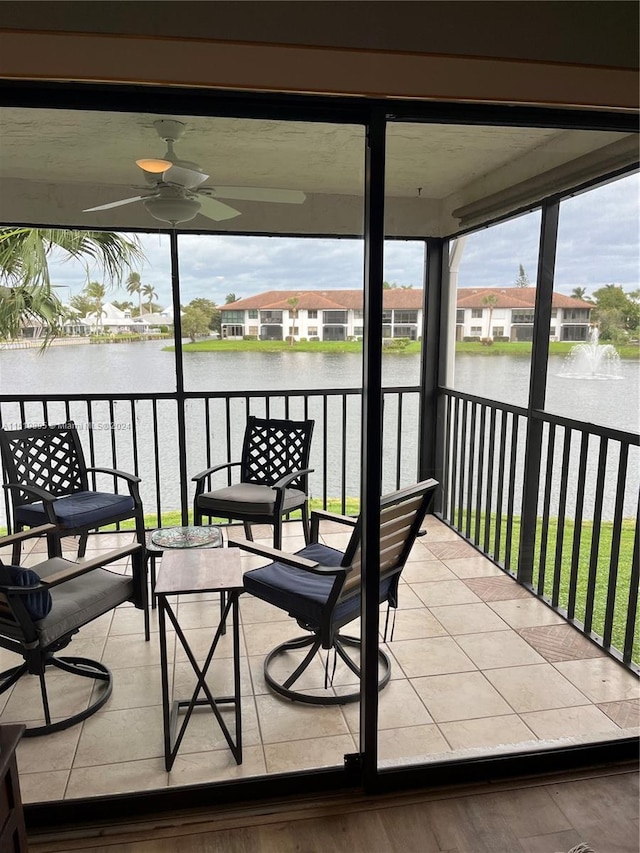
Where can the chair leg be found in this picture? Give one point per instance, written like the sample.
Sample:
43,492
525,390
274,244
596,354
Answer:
305,523
82,544
17,548
247,530
277,534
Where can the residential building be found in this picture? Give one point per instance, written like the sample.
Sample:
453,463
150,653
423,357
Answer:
336,315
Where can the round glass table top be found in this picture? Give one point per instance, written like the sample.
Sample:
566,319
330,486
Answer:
187,537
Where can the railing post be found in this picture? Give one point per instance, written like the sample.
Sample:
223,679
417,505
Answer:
180,398
537,389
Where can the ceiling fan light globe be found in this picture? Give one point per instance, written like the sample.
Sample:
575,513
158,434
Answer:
154,165
172,210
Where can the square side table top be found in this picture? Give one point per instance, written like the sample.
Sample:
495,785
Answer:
200,570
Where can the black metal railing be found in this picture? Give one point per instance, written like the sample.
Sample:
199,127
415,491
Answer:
582,543
141,433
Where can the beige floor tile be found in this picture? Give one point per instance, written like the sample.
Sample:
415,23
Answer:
282,667
46,754
460,619
91,648
281,720
476,566
461,696
203,732
197,614
43,787
440,593
68,694
262,637
494,649
198,768
437,531
113,737
130,650
570,722
535,688
431,656
525,613
220,678
117,778
398,705
102,626
308,753
135,687
255,610
415,624
407,599
601,679
409,744
422,571
129,620
199,641
486,732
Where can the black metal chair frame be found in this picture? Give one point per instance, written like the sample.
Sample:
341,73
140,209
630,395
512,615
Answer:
275,453
19,633
46,463
406,506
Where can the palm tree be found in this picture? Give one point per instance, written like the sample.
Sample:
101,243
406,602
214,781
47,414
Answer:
491,300
25,287
293,313
134,285
96,293
579,293
149,292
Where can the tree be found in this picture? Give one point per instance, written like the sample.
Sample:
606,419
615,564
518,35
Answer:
96,293
229,298
82,304
25,287
293,302
149,293
490,300
194,322
210,309
123,305
580,293
523,278
134,285
616,312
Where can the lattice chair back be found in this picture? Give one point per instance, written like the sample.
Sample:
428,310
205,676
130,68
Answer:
274,448
50,457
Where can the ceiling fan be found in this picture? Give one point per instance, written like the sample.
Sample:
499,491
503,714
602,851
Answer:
175,192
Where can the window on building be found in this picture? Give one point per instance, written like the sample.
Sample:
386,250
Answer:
476,313
312,330
252,313
358,331
233,317
554,312
476,330
271,316
405,317
312,314
358,314
232,331
498,332
522,315
335,317
253,330
386,316
405,332
460,316
293,330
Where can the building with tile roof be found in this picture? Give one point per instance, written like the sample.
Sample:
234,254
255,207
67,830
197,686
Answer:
337,315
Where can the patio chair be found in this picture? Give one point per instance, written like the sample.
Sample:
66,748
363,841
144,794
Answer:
44,606
273,478
319,587
48,480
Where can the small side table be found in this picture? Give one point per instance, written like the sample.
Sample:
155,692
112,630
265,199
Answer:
160,540
190,571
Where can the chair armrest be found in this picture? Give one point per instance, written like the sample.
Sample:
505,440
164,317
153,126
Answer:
288,559
325,515
214,468
289,478
27,534
37,491
75,570
132,478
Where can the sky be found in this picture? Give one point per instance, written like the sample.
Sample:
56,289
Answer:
598,244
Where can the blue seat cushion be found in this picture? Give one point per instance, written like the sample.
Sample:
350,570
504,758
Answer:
304,594
79,510
37,604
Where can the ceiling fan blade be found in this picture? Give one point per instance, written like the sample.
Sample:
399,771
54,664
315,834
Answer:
188,178
261,194
115,203
215,209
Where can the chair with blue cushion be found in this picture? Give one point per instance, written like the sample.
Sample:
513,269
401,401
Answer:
48,480
273,479
319,587
42,607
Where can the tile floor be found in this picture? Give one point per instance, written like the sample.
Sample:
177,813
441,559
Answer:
478,666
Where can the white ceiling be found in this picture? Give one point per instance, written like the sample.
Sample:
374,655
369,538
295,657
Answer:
54,163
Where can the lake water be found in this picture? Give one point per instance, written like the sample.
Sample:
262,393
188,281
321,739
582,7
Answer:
147,367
